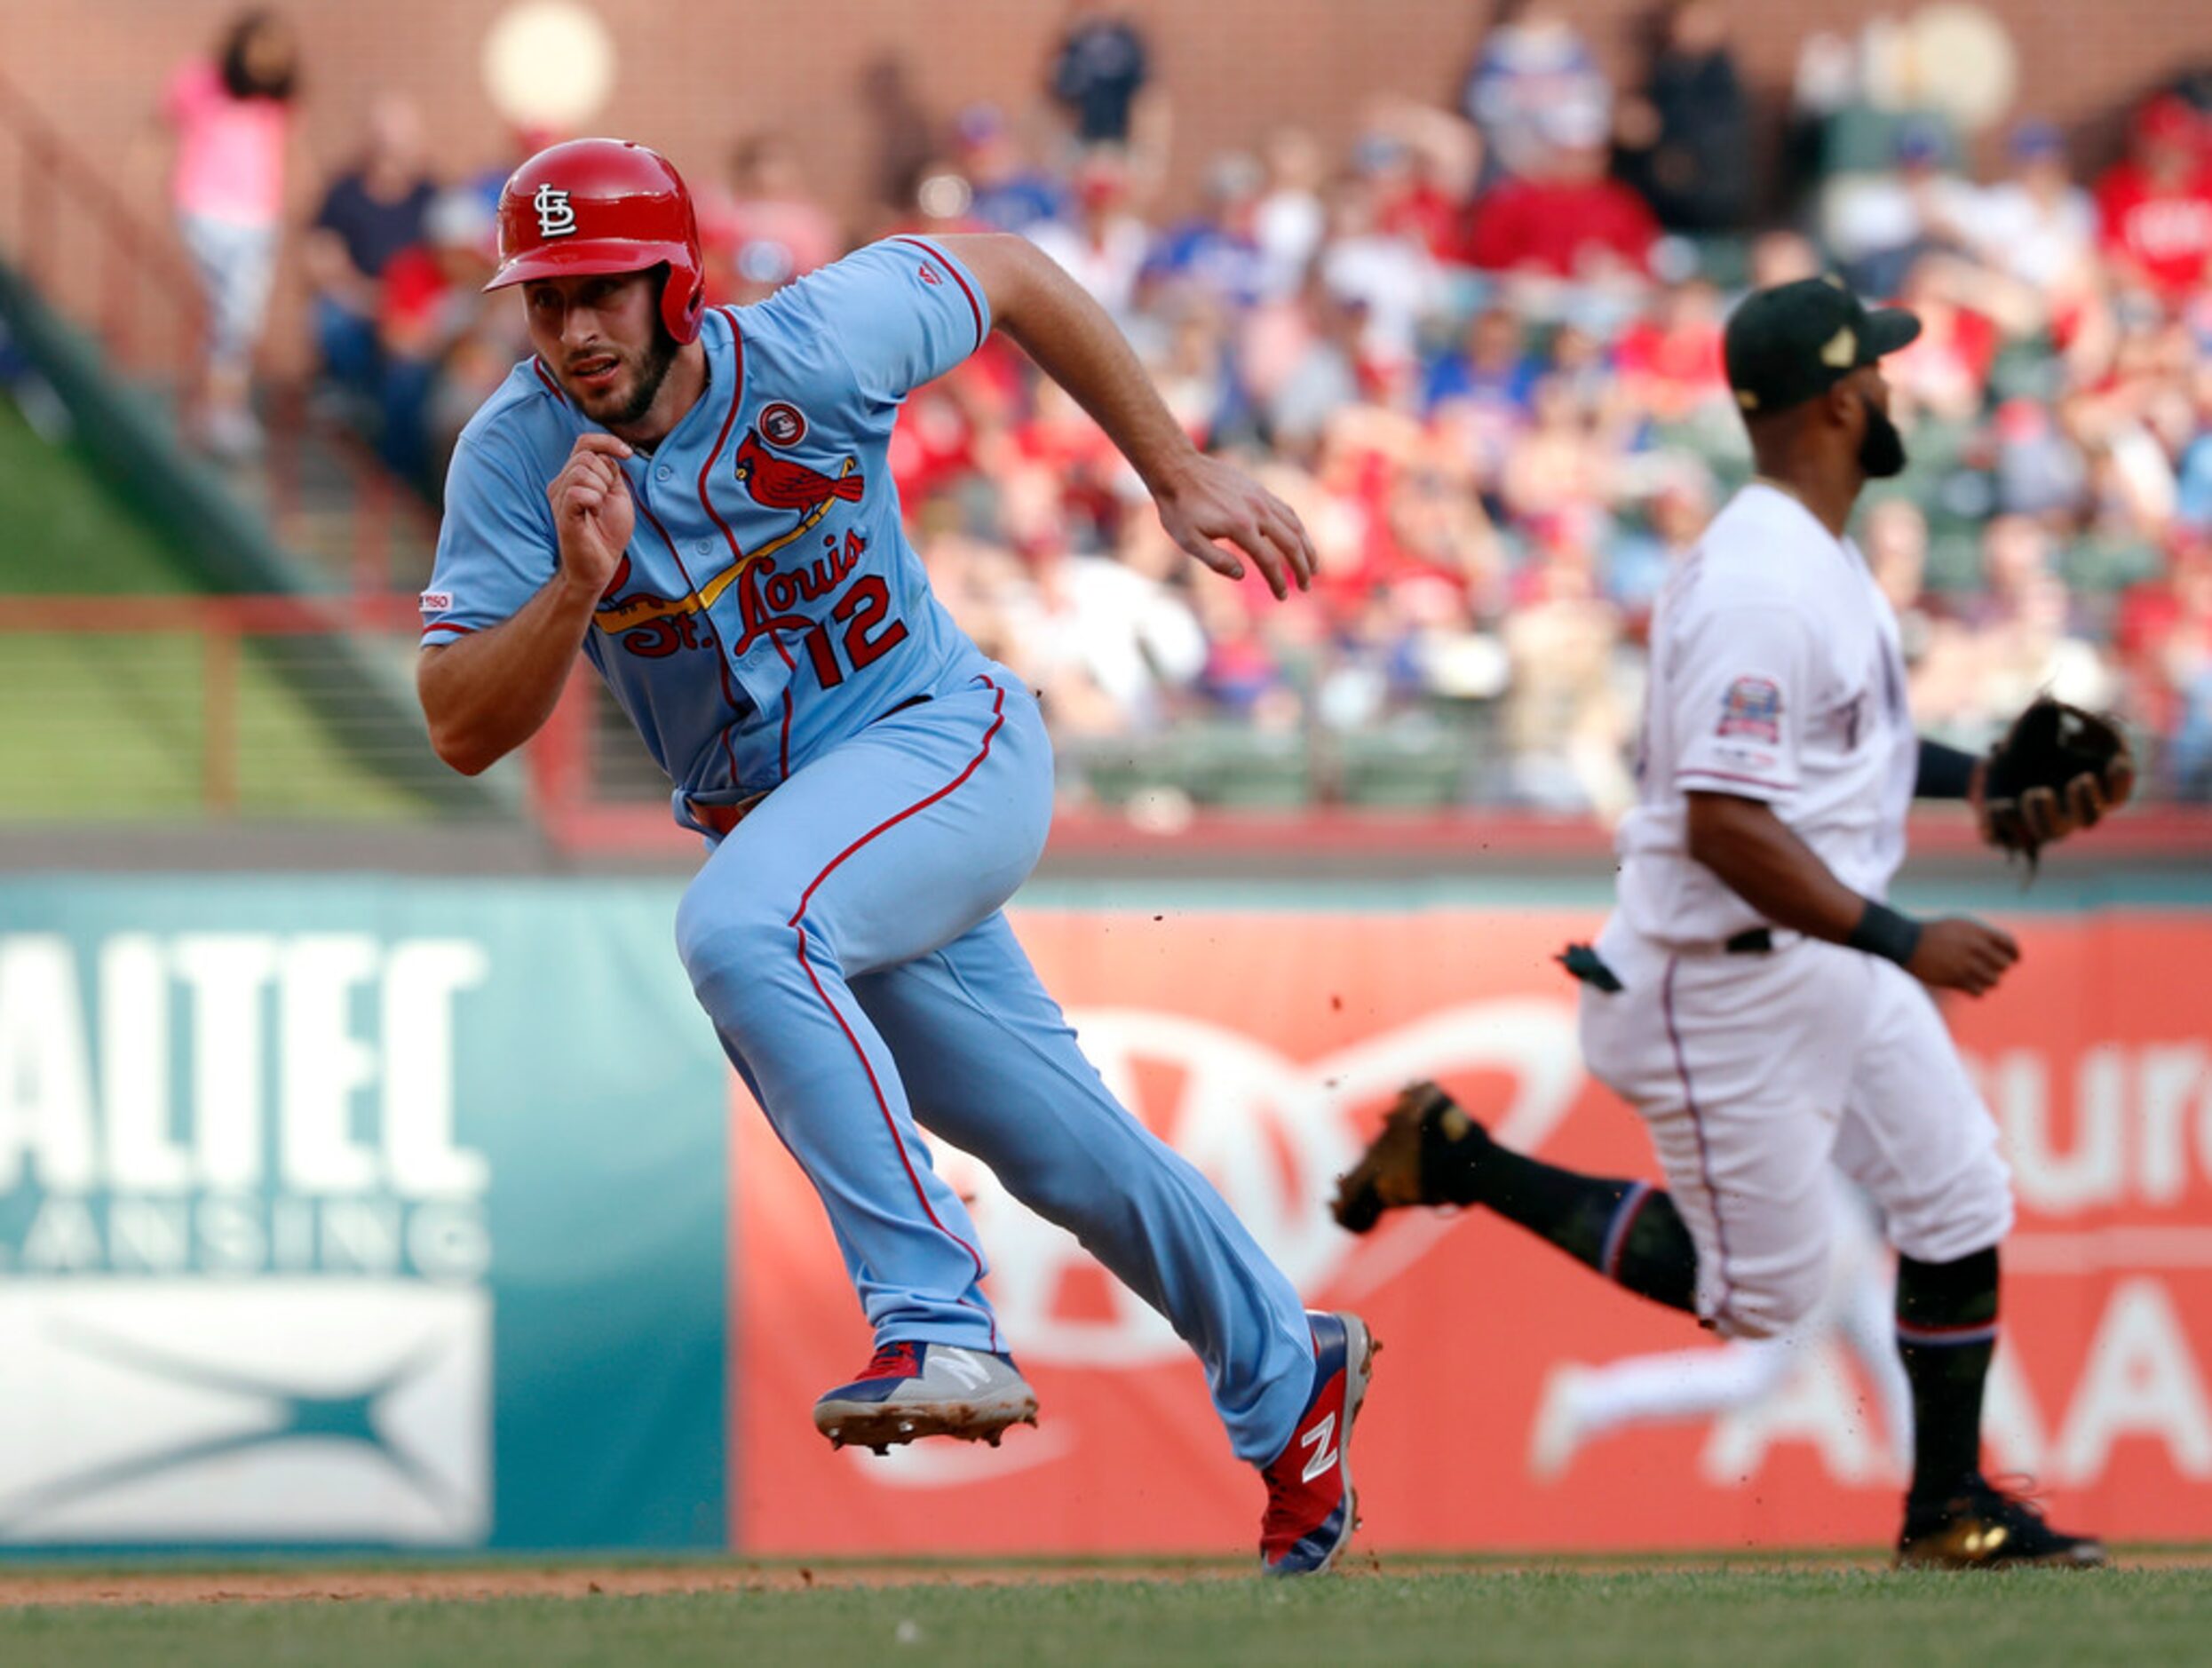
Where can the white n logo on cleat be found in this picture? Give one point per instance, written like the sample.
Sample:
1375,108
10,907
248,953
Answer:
1319,1438
970,1373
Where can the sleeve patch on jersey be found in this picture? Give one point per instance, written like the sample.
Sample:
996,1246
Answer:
1752,707
435,601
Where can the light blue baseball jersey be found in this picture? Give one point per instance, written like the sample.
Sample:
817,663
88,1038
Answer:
767,629
769,604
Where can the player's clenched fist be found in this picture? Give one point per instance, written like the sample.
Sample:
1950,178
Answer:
592,511
1959,954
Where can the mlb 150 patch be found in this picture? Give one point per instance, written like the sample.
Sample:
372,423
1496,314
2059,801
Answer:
1752,707
782,424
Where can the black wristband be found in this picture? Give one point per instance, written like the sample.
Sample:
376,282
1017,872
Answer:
1944,772
1882,932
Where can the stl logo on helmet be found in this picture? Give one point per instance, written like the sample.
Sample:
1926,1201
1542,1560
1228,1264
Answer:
555,216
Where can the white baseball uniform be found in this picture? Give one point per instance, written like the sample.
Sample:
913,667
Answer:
1776,675
1582,1403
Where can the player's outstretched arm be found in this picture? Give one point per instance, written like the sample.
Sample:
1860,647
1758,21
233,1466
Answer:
1758,858
491,692
1211,509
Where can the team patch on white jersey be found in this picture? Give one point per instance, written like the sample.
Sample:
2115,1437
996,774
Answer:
1768,682
1752,707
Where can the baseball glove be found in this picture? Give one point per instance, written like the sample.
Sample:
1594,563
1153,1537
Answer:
2058,769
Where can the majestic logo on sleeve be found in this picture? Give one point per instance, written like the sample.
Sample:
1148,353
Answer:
555,216
1753,708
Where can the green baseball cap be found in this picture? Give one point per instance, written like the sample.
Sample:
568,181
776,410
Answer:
1787,345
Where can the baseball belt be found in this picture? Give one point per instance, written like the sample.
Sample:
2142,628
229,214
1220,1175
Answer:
1584,963
720,819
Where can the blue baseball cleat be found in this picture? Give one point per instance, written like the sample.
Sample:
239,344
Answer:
1311,1508
913,1390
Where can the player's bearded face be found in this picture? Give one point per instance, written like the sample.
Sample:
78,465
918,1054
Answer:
645,368
606,340
1881,447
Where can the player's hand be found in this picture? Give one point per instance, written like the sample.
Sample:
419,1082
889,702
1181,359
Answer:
592,511
1957,953
1210,502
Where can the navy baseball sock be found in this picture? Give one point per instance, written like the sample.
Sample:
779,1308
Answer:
1947,1331
1628,1231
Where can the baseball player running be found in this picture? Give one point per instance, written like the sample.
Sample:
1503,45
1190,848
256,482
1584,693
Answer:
700,500
1753,996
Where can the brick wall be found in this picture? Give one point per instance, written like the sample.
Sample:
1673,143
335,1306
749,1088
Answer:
695,73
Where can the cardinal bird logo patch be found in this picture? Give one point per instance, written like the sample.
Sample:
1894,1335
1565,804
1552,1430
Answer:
783,483
1752,707
782,424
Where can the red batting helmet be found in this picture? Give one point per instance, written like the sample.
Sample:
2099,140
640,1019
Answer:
599,205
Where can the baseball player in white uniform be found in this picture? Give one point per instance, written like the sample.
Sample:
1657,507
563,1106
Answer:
1753,996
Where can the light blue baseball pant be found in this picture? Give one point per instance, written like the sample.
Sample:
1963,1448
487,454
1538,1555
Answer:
846,940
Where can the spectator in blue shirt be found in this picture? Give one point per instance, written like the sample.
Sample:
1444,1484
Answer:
1490,367
1011,194
370,212
1216,250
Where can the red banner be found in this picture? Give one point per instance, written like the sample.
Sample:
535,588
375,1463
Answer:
1514,1405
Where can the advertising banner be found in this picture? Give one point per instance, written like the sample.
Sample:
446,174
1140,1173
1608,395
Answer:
1518,1400
373,1212
394,1212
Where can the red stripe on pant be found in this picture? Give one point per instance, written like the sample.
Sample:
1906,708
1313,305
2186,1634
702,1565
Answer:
799,922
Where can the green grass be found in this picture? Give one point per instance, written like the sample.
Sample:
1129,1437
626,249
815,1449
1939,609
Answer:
1567,1616
68,532
108,727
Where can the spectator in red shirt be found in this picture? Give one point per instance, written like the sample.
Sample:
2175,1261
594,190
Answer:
1944,372
1424,165
431,298
1569,220
1670,357
2155,205
765,207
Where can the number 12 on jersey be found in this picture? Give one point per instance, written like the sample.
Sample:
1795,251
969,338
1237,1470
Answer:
865,607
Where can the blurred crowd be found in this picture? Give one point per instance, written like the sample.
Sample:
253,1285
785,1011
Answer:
1478,350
